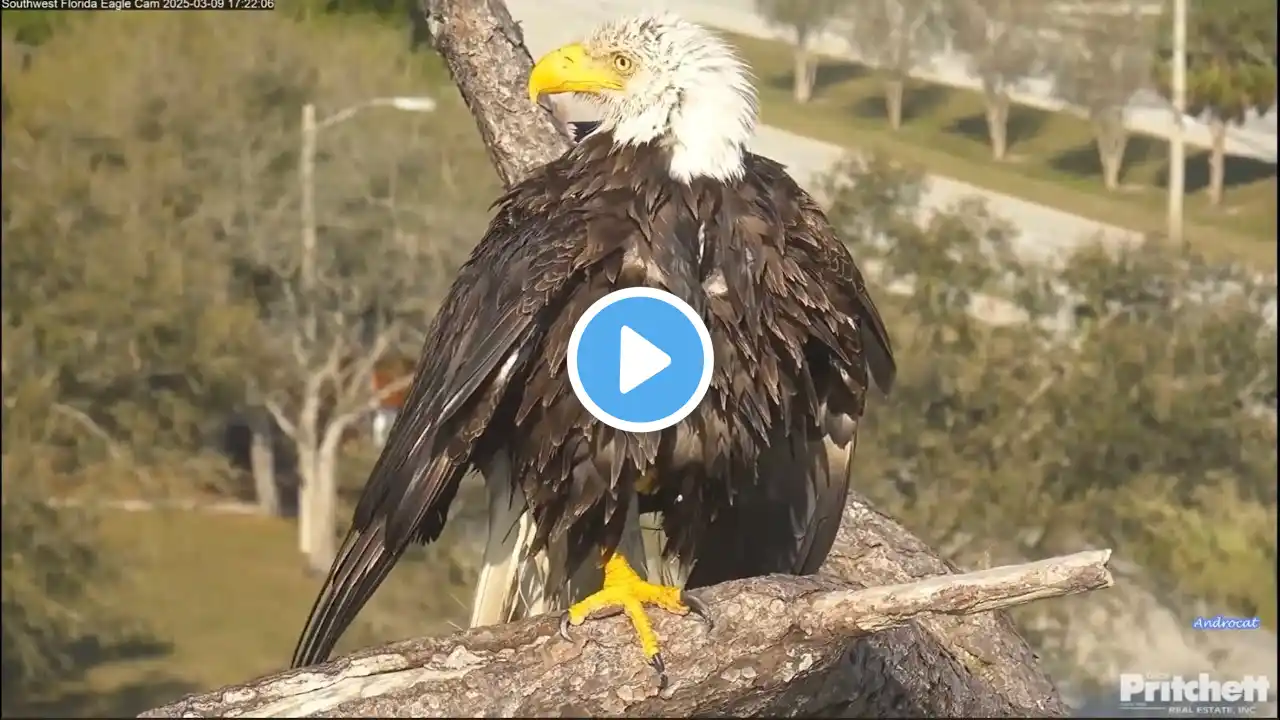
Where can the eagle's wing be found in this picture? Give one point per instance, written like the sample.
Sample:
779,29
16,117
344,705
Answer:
851,295
787,522
483,334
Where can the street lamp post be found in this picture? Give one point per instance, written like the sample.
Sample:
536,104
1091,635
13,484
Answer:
311,127
1177,138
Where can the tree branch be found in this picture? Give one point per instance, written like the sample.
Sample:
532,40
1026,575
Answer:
485,52
282,419
769,632
353,383
375,400
91,426
938,666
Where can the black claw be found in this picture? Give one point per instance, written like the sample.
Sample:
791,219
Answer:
564,626
661,668
699,608
607,613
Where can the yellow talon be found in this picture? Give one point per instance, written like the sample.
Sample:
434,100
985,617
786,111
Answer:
624,590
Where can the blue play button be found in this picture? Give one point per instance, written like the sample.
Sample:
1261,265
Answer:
640,359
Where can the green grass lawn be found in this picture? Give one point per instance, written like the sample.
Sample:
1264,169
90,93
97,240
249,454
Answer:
218,599
1052,158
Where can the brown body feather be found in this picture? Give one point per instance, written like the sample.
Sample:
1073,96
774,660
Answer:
743,483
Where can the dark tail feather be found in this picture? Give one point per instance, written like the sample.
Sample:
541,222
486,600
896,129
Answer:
362,564
786,523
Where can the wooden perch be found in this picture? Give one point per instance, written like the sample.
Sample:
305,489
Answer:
887,630
769,632
485,52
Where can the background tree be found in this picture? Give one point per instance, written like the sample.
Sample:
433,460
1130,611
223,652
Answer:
113,273
393,218
805,20
1132,405
49,560
895,36
145,183
395,213
1001,40
1101,56
1231,70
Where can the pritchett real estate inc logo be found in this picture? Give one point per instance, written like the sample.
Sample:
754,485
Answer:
1174,695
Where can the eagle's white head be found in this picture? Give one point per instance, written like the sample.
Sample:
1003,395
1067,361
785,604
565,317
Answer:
661,78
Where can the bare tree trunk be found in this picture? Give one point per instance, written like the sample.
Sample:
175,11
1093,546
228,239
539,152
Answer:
1111,139
262,463
1217,160
324,501
998,122
805,72
482,46
306,440
306,500
894,89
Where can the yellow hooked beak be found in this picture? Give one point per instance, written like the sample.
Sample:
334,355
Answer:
571,69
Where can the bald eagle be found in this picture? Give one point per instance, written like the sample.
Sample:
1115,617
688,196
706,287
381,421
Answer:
663,193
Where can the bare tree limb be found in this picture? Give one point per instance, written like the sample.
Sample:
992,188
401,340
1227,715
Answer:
282,419
939,665
353,382
770,631
91,426
343,420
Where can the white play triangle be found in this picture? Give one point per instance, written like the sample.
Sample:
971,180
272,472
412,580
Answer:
639,361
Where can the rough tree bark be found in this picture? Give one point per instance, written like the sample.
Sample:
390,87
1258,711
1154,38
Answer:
1111,138
485,52
804,68
895,88
1217,159
775,640
998,122
262,462
324,500
793,646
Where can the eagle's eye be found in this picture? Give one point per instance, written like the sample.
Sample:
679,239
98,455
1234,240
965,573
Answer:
623,64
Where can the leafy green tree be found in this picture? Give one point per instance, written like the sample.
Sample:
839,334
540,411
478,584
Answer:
895,36
49,566
1102,55
1124,399
152,251
216,185
31,26
1002,42
805,20
49,558
120,285
1231,70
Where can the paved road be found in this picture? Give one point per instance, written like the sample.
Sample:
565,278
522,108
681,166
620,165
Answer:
1044,232
1147,112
